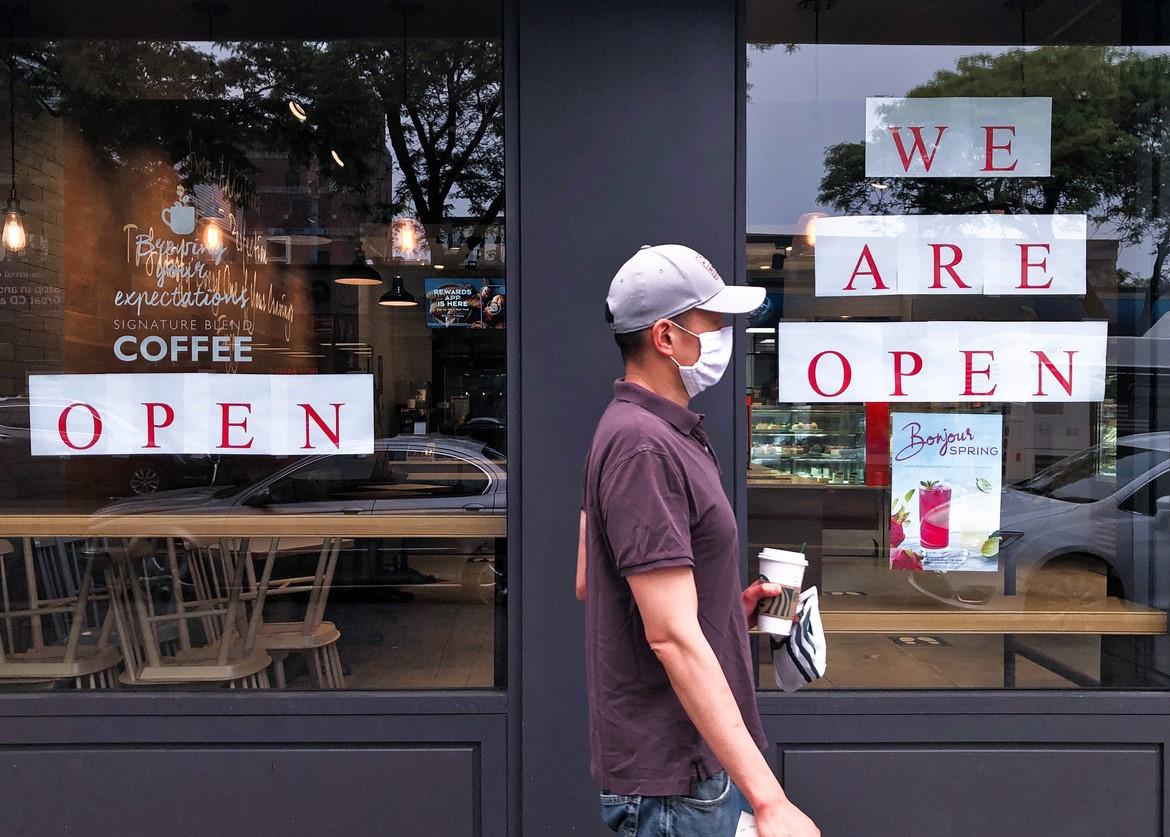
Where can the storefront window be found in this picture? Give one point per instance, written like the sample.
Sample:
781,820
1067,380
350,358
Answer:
959,384
252,362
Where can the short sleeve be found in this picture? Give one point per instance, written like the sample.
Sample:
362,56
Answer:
647,513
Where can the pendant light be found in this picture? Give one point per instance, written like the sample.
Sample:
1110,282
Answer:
360,272
397,296
407,9
14,238
213,238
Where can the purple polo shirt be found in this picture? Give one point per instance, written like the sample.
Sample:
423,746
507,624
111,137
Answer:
653,499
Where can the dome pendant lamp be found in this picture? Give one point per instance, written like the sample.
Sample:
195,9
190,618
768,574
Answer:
397,296
359,273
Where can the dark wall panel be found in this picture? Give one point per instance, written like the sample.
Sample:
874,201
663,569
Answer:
1036,764
195,792
275,763
627,116
964,790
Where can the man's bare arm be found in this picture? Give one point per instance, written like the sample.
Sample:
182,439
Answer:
581,558
668,603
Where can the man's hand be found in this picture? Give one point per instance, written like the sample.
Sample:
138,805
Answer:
783,819
752,595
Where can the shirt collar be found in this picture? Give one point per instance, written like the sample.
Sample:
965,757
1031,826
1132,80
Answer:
683,419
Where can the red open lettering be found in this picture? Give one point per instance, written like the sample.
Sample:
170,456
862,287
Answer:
949,267
226,424
919,146
152,425
1026,265
872,270
969,372
63,426
899,372
333,435
990,147
1043,362
846,374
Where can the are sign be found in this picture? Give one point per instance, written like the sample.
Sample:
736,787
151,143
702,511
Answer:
165,413
933,255
986,136
941,361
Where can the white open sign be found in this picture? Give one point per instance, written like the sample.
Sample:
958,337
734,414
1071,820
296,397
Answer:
941,361
94,415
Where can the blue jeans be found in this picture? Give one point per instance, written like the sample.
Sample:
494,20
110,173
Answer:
712,810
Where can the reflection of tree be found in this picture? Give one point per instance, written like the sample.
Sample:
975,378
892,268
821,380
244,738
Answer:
129,100
1140,206
437,111
1110,137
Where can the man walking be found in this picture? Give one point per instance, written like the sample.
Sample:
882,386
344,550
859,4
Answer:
675,732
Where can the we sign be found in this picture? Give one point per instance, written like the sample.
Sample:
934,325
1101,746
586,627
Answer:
958,137
200,413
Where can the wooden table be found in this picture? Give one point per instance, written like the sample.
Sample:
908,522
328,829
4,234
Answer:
1030,614
1010,616
259,524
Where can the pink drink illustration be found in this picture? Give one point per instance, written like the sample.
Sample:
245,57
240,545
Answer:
934,507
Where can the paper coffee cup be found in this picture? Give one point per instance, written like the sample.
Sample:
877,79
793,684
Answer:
779,566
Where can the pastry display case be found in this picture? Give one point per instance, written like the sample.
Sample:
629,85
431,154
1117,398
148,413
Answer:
821,444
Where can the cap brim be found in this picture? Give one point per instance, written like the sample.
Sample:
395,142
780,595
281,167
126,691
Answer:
735,299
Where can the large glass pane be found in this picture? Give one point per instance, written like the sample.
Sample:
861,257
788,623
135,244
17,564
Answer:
316,228
1036,555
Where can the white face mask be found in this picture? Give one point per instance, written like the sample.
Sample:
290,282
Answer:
714,355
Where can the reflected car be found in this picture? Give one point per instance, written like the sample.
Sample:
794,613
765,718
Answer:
1105,505
493,432
1099,503
105,476
404,474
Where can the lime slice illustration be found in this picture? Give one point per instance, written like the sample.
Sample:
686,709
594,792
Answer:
983,485
990,546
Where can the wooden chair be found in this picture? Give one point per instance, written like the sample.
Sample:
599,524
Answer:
312,635
59,653
219,652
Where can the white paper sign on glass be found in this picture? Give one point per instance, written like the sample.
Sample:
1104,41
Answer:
941,361
986,136
883,255
167,413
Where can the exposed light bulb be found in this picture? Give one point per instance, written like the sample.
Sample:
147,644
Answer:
14,238
213,237
337,158
297,111
407,239
808,224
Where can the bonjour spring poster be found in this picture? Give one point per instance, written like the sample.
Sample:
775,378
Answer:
946,478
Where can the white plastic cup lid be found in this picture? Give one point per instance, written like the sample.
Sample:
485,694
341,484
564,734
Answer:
783,555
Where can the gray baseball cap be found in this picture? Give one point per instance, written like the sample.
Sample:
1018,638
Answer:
663,280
